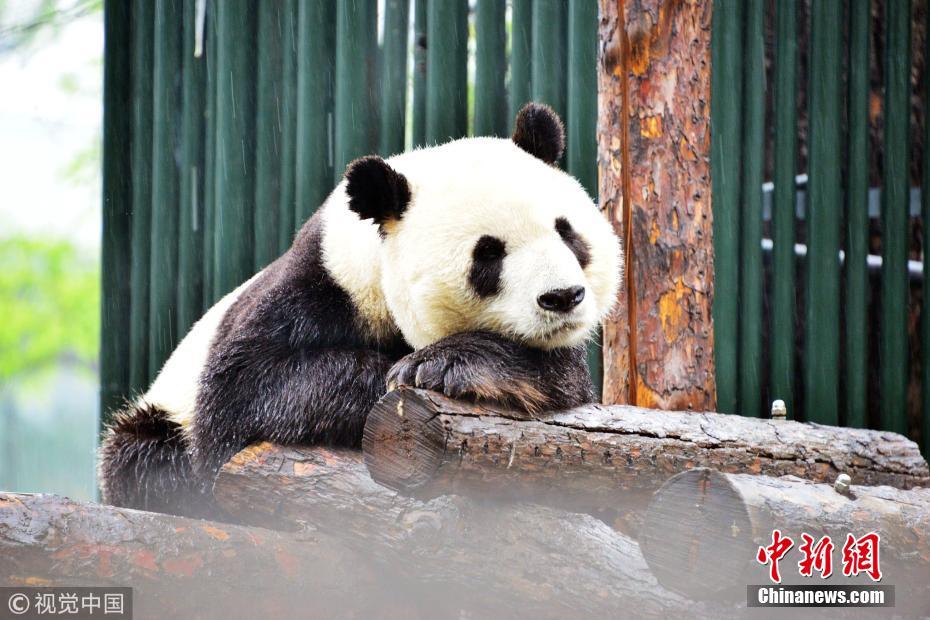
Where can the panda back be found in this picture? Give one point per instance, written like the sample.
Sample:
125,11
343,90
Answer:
175,388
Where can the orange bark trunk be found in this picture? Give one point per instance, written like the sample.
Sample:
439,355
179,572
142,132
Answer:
654,172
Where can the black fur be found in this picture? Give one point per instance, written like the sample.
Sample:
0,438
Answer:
483,366
145,464
376,191
294,364
538,130
487,263
574,241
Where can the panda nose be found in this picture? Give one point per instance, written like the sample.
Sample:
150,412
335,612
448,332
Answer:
561,299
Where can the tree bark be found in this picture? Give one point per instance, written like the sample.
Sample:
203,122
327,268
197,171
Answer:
183,568
734,514
543,563
654,163
607,461
520,560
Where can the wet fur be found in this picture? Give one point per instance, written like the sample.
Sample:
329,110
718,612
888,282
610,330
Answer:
145,464
483,366
293,364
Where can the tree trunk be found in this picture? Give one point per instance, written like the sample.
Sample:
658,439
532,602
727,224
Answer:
183,568
654,162
518,560
607,461
734,514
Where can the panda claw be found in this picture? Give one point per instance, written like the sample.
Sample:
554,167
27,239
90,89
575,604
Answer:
431,374
405,372
395,376
452,387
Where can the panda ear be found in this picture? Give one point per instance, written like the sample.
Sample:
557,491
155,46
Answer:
376,191
539,131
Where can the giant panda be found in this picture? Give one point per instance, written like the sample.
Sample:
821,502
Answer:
476,268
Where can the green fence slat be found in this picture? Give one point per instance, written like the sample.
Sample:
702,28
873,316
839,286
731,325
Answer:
234,192
352,103
893,340
463,117
581,151
287,199
209,173
418,107
393,91
750,315
374,54
548,64
521,56
857,216
166,120
783,204
143,47
446,71
822,324
491,68
117,207
315,68
726,132
268,132
925,310
190,239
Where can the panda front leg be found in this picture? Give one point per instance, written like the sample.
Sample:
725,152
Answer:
483,366
253,392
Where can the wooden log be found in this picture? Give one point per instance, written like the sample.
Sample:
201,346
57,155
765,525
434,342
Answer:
607,461
521,560
654,169
732,515
184,568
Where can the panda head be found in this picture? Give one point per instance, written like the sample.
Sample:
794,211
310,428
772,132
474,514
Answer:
487,234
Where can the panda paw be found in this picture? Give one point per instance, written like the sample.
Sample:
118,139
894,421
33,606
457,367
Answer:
425,369
467,377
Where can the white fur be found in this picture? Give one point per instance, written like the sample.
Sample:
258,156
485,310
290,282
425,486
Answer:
461,191
175,388
350,255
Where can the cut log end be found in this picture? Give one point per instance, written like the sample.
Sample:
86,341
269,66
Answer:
403,442
696,519
703,529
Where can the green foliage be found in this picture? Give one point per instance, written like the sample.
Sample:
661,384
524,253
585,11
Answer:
47,14
84,167
50,299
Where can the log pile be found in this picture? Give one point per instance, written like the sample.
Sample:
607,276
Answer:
454,509
529,560
608,460
178,567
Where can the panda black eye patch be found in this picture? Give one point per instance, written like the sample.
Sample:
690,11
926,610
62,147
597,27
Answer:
574,241
487,262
